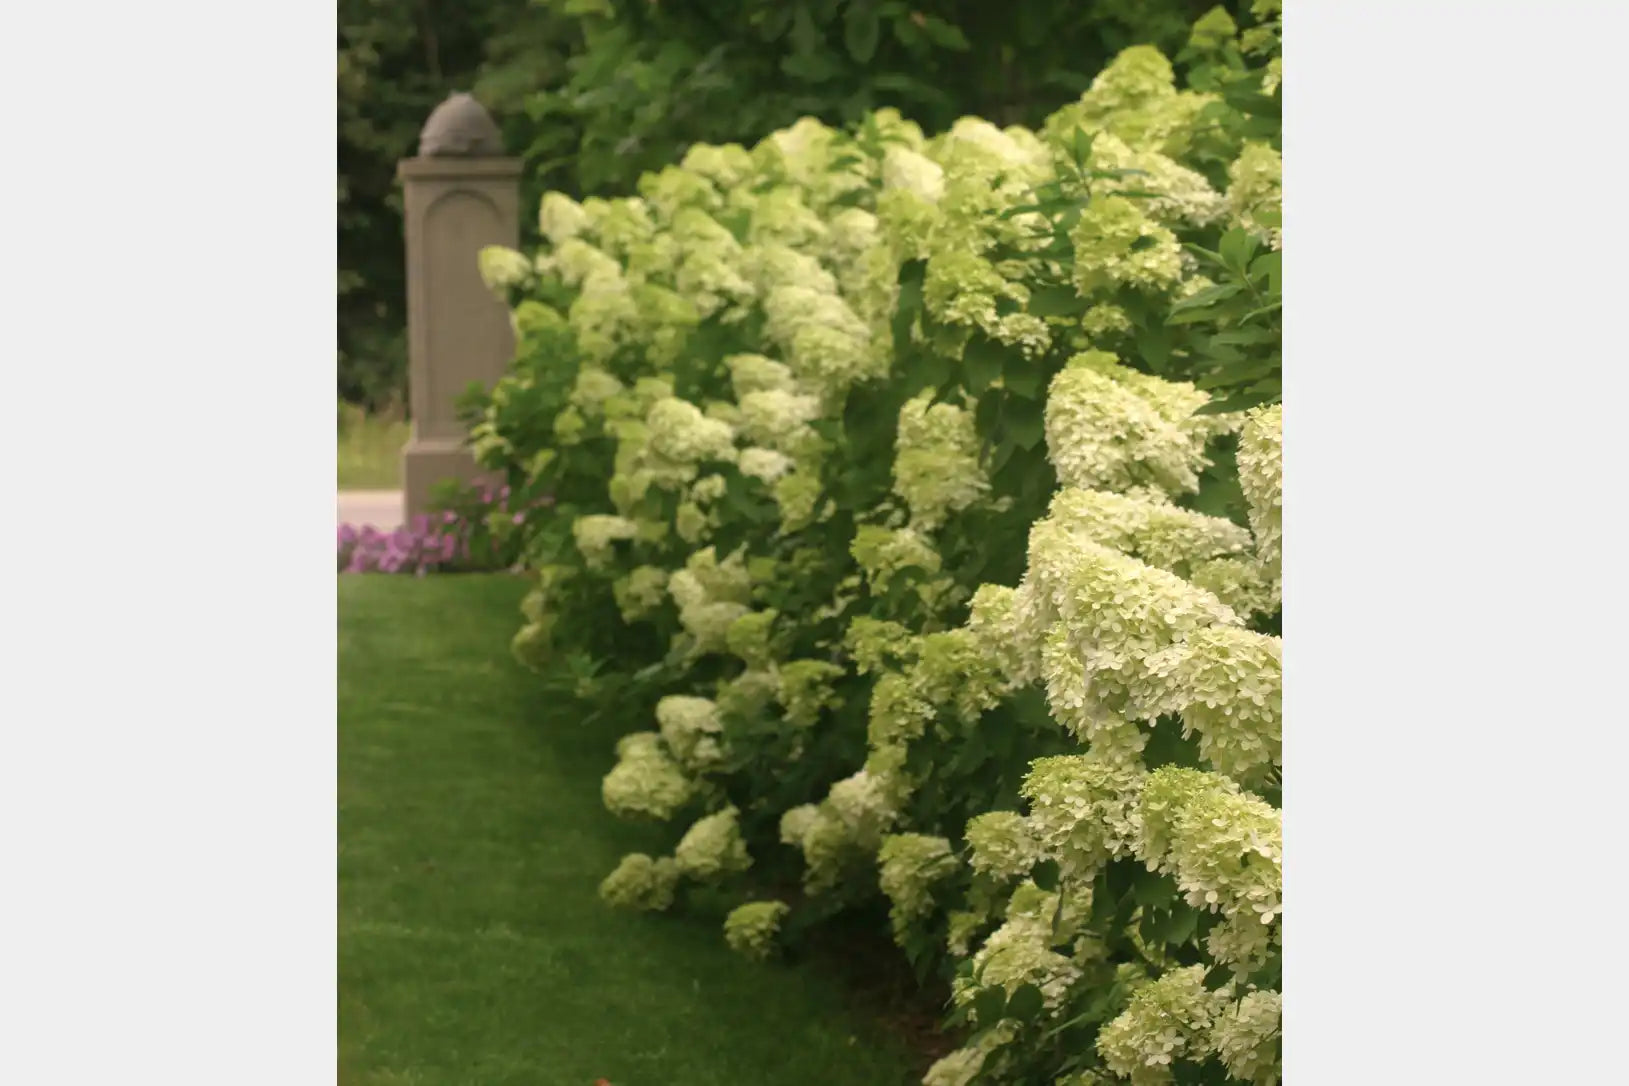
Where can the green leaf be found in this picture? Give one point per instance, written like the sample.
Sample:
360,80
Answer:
1055,301
861,29
988,1006
1045,875
1025,1003
1183,924
1025,420
805,34
910,301
1027,382
1152,889
1154,346
1080,147
981,363
1236,249
1268,266
987,415
945,35
1269,308
1210,295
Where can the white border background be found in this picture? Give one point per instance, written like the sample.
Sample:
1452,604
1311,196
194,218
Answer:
167,783
1455,495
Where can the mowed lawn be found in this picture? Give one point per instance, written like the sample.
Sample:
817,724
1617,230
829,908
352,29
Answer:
472,947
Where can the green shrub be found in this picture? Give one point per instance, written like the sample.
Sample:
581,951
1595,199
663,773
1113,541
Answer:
592,93
918,511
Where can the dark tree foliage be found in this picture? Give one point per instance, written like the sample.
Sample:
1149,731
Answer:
592,93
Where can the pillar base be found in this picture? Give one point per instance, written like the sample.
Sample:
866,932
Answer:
427,463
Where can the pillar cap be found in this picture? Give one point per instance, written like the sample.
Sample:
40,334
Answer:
460,127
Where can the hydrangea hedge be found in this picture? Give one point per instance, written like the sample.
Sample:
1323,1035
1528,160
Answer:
917,505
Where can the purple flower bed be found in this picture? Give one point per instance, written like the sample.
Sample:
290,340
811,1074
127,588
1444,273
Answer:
476,532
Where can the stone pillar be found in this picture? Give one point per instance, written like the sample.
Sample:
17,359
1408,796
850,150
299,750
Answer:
460,194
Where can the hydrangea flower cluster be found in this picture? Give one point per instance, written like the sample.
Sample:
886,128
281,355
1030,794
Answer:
910,865
936,465
640,882
713,847
691,729
1108,428
751,929
646,782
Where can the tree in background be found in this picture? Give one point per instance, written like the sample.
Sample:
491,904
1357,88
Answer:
593,93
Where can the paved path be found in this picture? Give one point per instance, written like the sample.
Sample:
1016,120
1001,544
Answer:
380,508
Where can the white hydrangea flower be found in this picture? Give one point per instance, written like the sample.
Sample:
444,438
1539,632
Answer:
1163,535
910,865
751,929
1105,431
691,728
1084,811
560,218
1001,845
748,637
1223,847
898,713
992,620
708,489
883,552
936,461
1261,476
712,848
1256,187
502,267
726,166
604,317
871,642
578,263
771,266
806,690
864,801
1246,1036
780,216
765,464
596,535
1181,196
1020,952
645,783
640,882
963,1066
681,434
592,388
777,418
641,592
1116,245
751,373
903,168
796,822
618,225
673,189
790,310
1228,684
1243,583
1168,1019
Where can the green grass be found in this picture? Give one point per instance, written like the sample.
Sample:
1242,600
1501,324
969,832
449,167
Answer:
370,451
472,947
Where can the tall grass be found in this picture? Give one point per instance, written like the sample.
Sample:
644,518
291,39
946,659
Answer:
370,449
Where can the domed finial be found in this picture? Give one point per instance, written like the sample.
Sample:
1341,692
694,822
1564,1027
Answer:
460,127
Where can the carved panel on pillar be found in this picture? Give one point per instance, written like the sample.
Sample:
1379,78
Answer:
458,198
